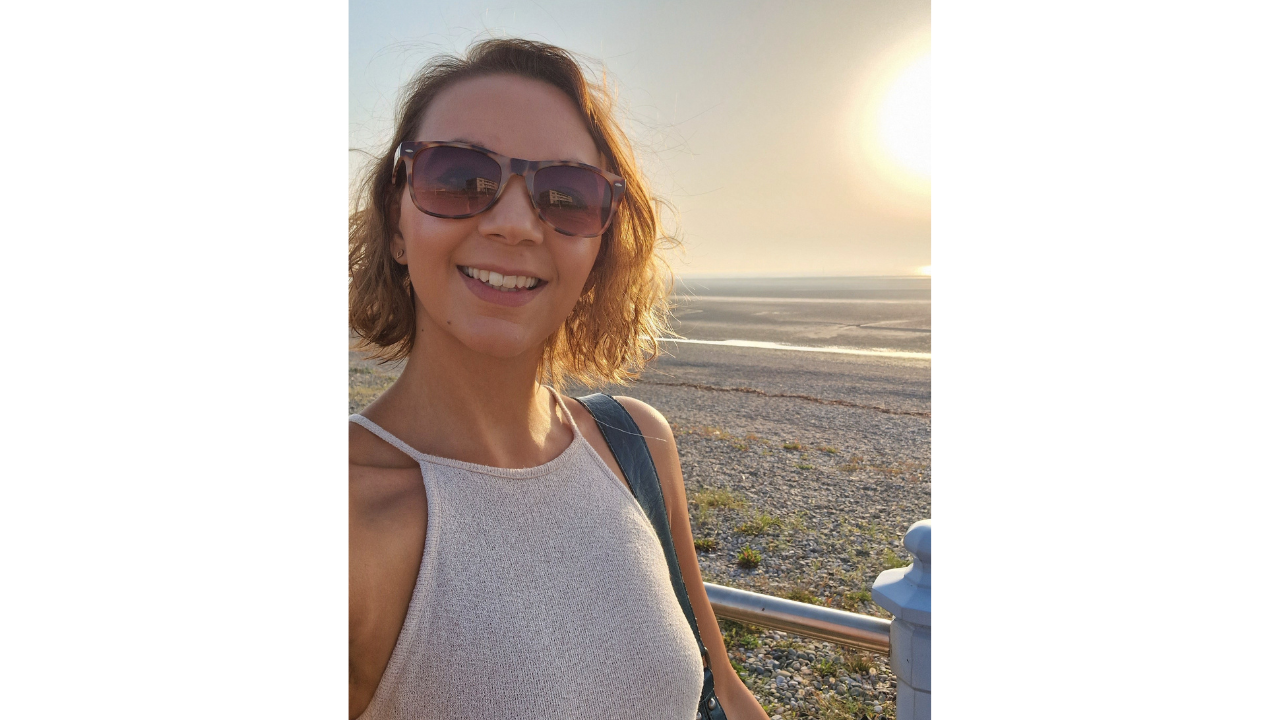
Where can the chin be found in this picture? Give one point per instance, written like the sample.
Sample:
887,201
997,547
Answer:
500,342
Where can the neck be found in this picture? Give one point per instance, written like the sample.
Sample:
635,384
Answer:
454,402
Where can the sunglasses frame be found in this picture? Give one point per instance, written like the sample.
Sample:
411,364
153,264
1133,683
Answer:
508,166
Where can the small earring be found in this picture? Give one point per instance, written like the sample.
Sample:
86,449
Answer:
399,254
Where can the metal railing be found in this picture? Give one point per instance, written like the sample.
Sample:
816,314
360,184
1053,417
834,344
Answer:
815,621
907,640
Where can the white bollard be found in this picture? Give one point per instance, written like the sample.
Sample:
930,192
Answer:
905,592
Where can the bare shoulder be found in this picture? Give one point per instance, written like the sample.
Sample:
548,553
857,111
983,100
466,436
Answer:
386,535
364,449
650,421
379,476
660,439
657,435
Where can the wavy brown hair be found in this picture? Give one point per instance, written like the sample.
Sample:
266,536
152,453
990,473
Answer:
614,329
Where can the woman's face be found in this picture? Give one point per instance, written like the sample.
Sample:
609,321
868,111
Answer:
517,117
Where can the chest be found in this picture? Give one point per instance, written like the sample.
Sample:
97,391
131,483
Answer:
559,583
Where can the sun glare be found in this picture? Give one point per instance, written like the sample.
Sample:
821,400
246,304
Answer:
926,270
890,127
903,118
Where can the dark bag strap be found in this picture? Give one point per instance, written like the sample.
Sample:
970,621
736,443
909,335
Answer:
632,453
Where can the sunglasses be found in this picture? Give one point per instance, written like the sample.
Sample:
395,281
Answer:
459,180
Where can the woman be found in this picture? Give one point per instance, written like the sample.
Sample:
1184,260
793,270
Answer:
500,567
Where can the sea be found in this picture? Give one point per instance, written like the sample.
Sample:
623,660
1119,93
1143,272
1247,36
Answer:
885,317
842,361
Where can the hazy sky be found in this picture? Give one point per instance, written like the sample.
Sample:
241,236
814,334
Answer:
791,137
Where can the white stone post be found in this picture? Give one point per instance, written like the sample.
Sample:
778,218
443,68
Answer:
905,592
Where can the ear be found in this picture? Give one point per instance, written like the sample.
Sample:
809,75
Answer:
398,251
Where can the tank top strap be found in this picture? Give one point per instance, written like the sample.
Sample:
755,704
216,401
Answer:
396,442
403,447
577,434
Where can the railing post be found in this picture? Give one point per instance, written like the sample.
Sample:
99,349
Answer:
905,592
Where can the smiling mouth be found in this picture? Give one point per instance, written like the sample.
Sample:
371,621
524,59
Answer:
498,281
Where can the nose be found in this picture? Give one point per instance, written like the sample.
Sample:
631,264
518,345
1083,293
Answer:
512,218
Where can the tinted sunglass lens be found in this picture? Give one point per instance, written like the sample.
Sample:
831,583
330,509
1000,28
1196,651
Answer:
573,199
454,181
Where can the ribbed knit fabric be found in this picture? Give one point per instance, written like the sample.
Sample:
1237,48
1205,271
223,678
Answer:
543,593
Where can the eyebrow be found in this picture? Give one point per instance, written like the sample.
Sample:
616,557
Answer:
469,141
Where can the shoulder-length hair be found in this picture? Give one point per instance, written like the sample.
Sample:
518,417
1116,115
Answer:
623,312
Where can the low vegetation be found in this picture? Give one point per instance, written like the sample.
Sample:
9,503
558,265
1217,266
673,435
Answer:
717,498
841,708
854,601
908,470
826,667
802,595
759,525
701,517
859,661
890,560
738,634
799,521
748,558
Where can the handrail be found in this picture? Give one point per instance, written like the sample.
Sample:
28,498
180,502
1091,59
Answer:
815,621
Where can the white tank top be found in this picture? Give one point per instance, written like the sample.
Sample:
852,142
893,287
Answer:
543,593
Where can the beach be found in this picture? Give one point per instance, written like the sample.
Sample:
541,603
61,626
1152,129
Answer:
801,409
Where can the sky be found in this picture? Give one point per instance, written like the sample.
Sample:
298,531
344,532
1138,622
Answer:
792,139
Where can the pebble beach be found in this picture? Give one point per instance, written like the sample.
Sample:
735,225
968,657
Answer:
803,467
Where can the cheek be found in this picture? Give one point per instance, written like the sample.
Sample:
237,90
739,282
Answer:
574,265
430,240
581,258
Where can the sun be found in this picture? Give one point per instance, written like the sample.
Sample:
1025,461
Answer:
926,270
889,123
902,122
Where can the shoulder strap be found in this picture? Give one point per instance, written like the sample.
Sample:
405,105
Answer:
394,441
632,453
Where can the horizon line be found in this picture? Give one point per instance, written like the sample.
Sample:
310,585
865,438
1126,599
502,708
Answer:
769,276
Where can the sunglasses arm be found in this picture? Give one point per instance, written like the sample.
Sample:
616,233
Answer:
395,161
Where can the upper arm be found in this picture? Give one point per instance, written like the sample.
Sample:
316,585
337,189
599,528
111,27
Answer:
662,446
386,530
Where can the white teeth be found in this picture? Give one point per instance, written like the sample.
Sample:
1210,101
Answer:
500,281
